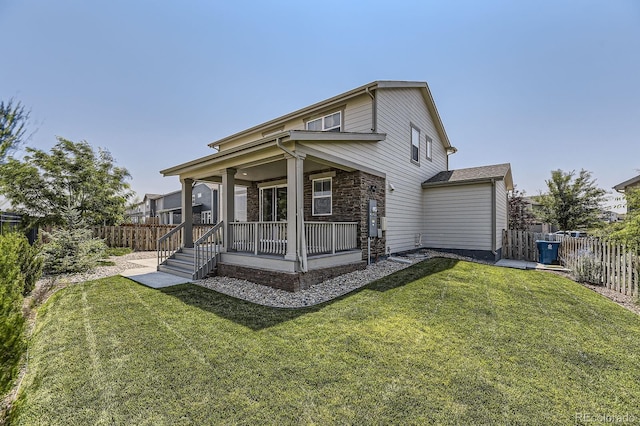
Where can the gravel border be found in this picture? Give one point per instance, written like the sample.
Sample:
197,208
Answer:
317,293
122,263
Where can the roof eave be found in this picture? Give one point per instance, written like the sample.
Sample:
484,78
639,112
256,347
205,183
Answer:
426,185
298,113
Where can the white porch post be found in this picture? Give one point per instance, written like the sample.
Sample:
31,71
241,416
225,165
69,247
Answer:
228,204
187,212
295,187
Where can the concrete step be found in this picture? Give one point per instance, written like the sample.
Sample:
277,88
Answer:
176,271
180,263
188,251
186,257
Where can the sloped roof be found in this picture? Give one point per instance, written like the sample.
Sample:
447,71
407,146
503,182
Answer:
472,175
623,185
367,88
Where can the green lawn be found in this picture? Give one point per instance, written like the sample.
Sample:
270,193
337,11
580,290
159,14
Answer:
440,342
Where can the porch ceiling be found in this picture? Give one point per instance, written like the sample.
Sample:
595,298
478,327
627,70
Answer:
258,157
276,168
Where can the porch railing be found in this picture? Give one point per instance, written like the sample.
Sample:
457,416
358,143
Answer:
330,237
206,250
169,243
259,237
271,237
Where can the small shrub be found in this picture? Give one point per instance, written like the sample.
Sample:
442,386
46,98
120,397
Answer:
587,268
72,248
12,322
31,263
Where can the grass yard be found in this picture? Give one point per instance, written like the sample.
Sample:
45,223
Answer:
440,342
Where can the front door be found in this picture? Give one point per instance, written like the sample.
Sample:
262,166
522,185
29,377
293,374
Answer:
273,204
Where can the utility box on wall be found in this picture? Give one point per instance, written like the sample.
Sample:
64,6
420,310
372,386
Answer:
373,219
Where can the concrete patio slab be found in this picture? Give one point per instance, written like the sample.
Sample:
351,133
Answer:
523,264
148,275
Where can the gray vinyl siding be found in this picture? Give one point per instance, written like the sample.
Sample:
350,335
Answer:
397,109
501,211
458,217
357,115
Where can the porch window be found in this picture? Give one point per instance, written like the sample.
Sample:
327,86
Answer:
322,197
415,144
273,204
329,123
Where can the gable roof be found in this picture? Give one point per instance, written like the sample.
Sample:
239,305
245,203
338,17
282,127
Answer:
367,88
472,175
621,186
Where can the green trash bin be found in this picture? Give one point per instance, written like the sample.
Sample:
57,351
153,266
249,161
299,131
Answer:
548,251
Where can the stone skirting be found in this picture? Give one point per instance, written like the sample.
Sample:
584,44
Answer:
285,280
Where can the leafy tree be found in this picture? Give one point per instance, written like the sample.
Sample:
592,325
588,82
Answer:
572,202
71,247
628,232
520,215
43,184
13,119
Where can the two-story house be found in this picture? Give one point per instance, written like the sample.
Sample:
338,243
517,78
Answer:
358,176
166,209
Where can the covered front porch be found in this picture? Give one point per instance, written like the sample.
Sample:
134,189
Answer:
305,209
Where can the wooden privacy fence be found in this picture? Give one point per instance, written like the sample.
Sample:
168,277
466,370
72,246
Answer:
140,237
591,260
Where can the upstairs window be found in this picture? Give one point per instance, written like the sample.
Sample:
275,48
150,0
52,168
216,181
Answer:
321,197
415,144
328,123
429,148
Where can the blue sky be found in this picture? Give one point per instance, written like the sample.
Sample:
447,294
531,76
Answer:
540,84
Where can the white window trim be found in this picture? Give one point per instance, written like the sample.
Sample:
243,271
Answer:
313,197
429,148
326,129
411,145
267,186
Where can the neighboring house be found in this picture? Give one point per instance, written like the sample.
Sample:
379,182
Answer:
166,209
627,185
537,225
610,216
144,211
360,175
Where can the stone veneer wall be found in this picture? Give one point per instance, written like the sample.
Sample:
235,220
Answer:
351,194
286,281
350,202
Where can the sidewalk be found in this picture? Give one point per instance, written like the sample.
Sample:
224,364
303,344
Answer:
148,274
523,264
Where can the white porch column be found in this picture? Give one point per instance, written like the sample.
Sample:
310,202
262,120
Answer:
295,188
187,212
228,204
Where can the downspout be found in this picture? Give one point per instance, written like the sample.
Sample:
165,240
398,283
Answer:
374,111
302,247
493,217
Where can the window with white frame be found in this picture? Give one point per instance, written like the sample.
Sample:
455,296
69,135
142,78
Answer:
429,148
321,197
415,144
329,123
